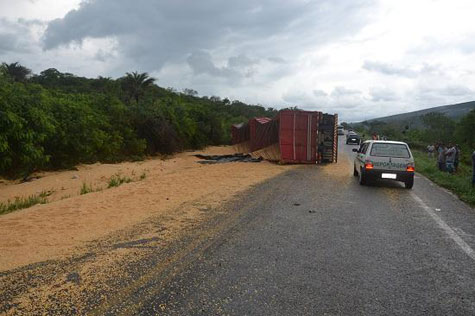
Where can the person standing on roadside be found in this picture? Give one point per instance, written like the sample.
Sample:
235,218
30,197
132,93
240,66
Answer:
430,150
441,157
457,157
450,158
473,169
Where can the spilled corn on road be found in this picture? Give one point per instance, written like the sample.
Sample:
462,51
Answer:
308,241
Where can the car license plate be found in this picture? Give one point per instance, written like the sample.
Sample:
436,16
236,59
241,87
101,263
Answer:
388,176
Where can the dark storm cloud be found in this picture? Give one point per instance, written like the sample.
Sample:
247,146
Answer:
150,32
202,63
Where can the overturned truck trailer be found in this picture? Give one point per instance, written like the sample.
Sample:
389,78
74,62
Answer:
291,137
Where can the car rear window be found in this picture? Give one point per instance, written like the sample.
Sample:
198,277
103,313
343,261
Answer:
390,150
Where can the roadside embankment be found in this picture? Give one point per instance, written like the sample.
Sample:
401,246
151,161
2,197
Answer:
64,226
458,183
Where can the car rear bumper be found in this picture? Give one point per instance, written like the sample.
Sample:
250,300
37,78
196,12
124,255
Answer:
350,141
400,175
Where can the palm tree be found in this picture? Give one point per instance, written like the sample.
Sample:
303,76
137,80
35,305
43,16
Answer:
16,71
135,84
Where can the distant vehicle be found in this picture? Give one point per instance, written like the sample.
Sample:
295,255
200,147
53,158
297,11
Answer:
353,138
341,130
377,159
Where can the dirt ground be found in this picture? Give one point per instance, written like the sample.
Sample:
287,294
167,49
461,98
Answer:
66,225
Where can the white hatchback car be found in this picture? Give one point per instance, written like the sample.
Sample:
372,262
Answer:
376,159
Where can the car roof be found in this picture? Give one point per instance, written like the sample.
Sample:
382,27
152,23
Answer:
385,142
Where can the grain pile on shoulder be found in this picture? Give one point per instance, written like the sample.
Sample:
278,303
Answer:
60,228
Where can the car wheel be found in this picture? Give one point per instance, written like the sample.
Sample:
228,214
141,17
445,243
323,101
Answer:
361,178
409,183
355,173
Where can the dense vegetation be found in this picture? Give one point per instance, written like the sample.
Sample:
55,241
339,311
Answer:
436,128
56,120
459,183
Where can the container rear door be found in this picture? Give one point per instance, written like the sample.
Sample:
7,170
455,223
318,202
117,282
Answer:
298,136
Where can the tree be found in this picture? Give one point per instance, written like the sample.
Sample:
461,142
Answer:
465,130
135,84
345,125
16,71
190,92
439,127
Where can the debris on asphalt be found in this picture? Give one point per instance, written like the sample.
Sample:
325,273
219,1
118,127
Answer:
73,277
212,159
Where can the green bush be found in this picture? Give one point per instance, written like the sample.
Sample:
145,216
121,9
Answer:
24,202
117,180
56,120
85,189
459,183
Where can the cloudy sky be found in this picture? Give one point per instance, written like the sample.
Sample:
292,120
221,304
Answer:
359,58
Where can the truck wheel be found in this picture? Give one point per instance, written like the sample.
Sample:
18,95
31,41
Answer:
362,178
409,183
355,173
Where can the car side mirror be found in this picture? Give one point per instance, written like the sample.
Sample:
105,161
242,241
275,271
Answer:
355,150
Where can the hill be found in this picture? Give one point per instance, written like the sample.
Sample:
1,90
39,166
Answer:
454,111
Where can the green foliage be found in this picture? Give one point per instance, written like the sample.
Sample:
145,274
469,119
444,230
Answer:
465,131
117,180
56,120
436,128
439,127
24,202
85,189
135,85
15,71
459,183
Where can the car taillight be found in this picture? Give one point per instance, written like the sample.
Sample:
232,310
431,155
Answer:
410,169
368,165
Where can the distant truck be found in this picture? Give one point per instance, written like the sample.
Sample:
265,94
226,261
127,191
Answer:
341,130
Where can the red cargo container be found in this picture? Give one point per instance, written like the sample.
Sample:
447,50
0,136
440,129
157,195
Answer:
293,136
239,133
261,132
298,136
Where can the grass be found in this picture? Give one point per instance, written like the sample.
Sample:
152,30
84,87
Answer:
24,202
85,189
41,198
117,180
459,183
143,176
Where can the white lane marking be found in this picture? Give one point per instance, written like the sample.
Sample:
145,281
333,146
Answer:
452,234
437,209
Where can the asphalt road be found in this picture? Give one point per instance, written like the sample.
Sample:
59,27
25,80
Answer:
318,243
311,241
